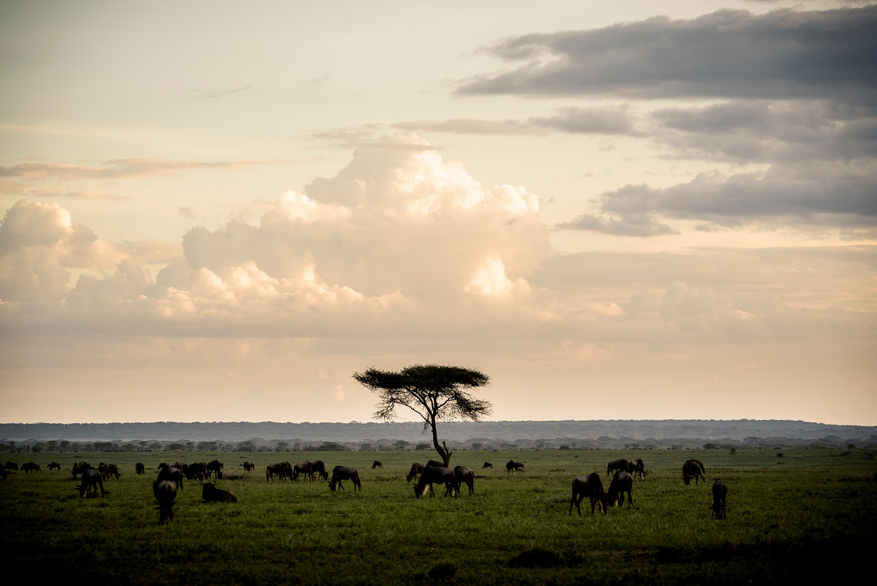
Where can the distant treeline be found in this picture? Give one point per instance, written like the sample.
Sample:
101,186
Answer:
503,435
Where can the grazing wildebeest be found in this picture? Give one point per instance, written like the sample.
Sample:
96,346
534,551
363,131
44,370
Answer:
637,467
26,468
487,465
512,465
621,464
175,475
416,468
248,467
587,486
621,483
90,481
215,467
165,493
319,469
340,473
461,475
376,464
693,468
211,494
433,474
139,468
720,492
10,465
54,466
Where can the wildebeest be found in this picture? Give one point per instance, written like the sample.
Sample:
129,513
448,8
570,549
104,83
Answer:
90,481
172,474
512,465
165,493
340,473
10,465
487,465
107,470
319,469
693,468
248,467
461,475
432,474
283,469
621,464
211,494
27,467
306,468
621,483
376,464
416,468
139,468
587,486
637,467
215,467
54,466
720,492
80,468
196,471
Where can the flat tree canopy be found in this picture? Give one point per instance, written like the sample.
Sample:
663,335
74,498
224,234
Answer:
435,393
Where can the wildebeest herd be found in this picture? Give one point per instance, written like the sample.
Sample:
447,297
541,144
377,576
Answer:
170,479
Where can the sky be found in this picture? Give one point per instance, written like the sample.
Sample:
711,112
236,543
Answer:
219,211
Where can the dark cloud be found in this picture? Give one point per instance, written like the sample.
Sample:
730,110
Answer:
812,194
730,53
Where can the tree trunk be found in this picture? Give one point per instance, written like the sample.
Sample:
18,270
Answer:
444,453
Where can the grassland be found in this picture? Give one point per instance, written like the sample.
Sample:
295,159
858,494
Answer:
790,518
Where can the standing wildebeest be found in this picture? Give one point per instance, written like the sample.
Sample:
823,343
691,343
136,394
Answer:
693,468
637,467
587,486
340,473
621,464
433,474
197,471
512,465
720,492
90,481
175,475
107,470
621,483
376,464
139,468
26,468
283,469
487,465
461,475
215,467
211,494
54,466
80,468
248,467
306,468
416,468
319,469
165,493
10,465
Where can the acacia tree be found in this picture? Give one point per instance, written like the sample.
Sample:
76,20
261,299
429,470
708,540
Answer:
436,393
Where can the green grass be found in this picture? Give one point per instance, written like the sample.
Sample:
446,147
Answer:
789,518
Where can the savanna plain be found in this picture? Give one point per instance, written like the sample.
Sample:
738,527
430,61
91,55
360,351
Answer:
790,518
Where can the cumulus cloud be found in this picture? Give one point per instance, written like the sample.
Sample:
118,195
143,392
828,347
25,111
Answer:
398,230
783,54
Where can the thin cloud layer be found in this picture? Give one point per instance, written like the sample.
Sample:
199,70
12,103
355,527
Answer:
785,54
